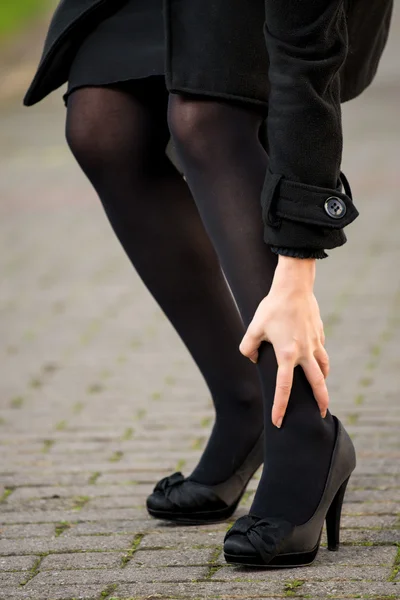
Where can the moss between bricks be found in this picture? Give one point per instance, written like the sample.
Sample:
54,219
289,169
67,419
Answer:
35,568
77,408
35,383
94,477
135,545
198,443
17,402
292,587
128,434
95,388
108,590
246,497
7,492
206,422
80,502
213,567
396,565
61,527
116,456
180,464
47,445
140,414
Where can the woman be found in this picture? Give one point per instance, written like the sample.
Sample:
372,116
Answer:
225,88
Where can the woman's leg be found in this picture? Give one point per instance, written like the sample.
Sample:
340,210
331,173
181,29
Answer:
225,165
118,136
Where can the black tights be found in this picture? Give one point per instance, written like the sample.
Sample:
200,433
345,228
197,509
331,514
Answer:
118,136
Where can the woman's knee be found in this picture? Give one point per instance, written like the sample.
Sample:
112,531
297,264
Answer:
203,127
108,128
86,134
192,123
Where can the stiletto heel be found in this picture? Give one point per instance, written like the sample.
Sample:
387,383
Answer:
275,542
333,518
185,501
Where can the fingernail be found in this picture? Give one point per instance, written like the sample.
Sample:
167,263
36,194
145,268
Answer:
253,361
323,415
279,422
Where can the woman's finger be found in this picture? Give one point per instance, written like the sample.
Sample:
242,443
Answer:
316,379
322,358
250,344
284,382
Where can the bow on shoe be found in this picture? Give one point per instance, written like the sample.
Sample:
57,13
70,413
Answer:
265,535
187,495
168,482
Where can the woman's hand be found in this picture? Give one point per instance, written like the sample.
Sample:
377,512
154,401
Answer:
289,318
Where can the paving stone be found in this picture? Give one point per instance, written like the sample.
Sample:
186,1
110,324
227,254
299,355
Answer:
130,574
167,558
323,572
368,508
358,536
210,589
384,495
17,563
61,544
91,491
11,579
81,560
39,504
348,589
358,555
183,541
50,516
106,527
87,592
27,531
366,521
41,479
136,503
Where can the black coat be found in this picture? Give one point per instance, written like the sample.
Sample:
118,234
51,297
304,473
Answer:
311,56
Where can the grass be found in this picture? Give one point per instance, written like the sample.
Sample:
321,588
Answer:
14,14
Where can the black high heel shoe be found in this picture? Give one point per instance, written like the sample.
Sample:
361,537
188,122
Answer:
184,501
278,543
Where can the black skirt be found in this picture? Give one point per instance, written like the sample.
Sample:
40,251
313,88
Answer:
129,44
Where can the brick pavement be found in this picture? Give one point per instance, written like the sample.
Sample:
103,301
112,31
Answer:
93,379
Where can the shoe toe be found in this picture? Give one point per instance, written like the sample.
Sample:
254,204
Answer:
158,502
239,546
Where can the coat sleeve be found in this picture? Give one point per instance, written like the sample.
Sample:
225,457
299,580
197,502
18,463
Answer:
306,201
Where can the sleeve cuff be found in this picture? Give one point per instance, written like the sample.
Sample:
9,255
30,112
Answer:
299,252
297,215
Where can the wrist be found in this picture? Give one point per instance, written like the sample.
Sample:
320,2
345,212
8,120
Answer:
295,272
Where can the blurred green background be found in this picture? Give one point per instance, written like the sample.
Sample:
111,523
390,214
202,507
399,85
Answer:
15,14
